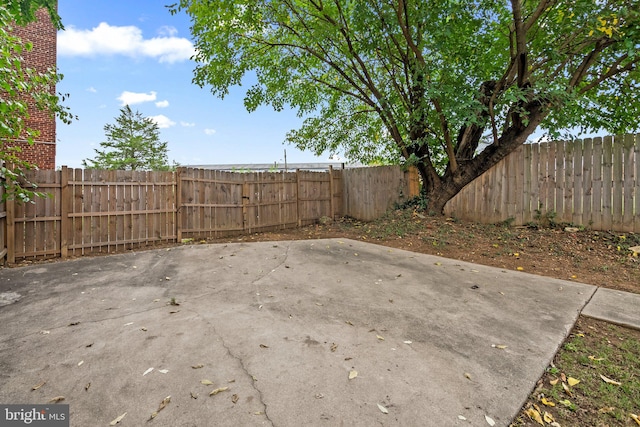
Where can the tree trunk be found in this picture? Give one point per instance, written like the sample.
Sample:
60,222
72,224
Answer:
438,190
441,191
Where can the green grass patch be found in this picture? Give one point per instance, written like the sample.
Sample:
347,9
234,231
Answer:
605,359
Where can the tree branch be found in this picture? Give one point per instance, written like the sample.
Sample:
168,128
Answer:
614,70
521,41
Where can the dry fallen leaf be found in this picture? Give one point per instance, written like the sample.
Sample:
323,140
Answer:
264,346
162,405
596,359
546,402
198,366
117,420
534,415
383,409
609,380
467,375
163,371
553,382
234,399
548,418
566,389
37,386
572,381
380,338
334,347
86,387
565,402
353,374
218,390
563,377
57,399
147,371
635,418
489,420
206,382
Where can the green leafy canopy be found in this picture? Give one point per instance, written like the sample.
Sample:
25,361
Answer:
451,86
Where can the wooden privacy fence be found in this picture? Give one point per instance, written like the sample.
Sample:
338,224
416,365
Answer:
214,203
96,211
594,182
390,185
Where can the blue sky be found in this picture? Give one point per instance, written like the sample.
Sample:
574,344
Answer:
134,52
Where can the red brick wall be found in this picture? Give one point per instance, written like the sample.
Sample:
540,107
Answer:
42,34
42,154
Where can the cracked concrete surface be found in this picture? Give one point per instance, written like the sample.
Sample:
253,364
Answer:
281,324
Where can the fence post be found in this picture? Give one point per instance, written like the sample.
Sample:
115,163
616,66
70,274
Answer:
178,202
245,202
298,210
65,199
414,182
3,214
332,206
11,224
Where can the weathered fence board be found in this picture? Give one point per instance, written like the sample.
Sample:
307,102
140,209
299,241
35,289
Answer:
370,192
3,222
593,183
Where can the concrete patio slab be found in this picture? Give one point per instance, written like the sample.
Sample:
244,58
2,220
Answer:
279,327
621,308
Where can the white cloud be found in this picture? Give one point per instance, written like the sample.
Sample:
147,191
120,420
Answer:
162,104
126,40
187,124
92,89
167,30
162,121
210,131
131,98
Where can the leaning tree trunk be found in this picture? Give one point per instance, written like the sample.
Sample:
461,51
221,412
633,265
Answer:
438,190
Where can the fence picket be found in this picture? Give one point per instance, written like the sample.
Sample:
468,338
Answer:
586,189
628,183
636,205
